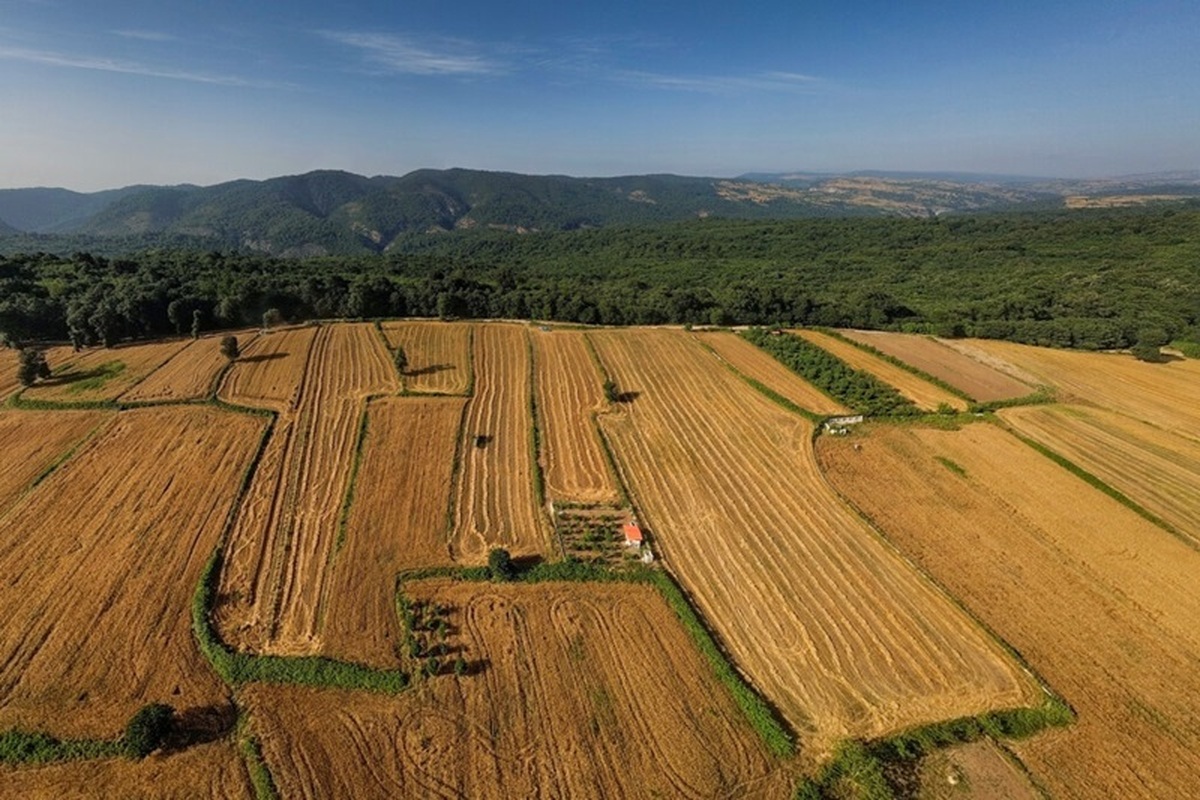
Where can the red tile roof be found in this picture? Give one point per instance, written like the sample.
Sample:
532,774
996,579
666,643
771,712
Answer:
632,532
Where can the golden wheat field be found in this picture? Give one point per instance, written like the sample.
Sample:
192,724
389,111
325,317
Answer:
792,585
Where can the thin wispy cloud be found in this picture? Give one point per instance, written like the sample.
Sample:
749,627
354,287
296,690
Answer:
146,36
123,67
722,84
408,55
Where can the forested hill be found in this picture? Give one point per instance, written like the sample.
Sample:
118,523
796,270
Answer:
339,213
1090,279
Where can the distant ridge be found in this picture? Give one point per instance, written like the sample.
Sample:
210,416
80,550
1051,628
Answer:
334,212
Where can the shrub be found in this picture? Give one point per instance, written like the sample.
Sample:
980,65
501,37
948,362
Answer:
229,348
147,729
500,565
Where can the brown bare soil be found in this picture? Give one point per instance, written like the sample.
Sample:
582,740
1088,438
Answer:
100,562
844,637
276,576
764,368
976,771
1157,469
920,391
190,374
1100,602
439,356
1161,394
575,690
981,382
495,504
32,441
101,373
397,522
271,370
213,770
570,391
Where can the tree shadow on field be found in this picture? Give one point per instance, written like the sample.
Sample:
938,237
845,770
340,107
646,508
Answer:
200,725
263,357
430,370
628,397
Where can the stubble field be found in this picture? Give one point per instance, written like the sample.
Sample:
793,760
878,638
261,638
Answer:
439,355
190,374
844,637
762,367
34,441
101,374
581,691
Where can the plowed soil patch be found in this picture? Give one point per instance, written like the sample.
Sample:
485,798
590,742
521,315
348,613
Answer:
439,355
33,441
276,577
1100,602
833,627
976,379
577,691
190,374
1158,469
495,504
920,391
100,563
270,370
397,522
101,373
213,770
762,367
570,391
1161,394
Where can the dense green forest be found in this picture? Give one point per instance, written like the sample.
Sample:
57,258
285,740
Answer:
1090,279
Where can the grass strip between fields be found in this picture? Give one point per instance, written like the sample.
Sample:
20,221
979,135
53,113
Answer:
762,718
25,747
360,440
256,766
1096,483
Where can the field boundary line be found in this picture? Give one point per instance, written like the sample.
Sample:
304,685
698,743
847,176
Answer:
898,362
767,391
535,448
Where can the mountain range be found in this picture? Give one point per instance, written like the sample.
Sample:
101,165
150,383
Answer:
333,212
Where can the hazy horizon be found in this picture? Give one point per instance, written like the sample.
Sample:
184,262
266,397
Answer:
134,92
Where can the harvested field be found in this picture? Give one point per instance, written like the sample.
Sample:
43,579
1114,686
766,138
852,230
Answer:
1099,601
270,370
439,355
577,690
974,378
845,638
190,374
276,574
9,360
99,373
100,562
1161,394
570,391
1157,469
762,367
494,502
925,394
214,770
33,441
976,771
397,522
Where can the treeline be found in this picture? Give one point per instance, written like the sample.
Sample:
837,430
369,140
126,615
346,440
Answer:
853,388
1080,279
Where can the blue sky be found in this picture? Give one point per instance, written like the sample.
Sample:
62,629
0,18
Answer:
105,94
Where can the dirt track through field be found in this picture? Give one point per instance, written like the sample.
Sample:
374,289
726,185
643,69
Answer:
835,629
495,504
1099,601
276,576
397,522
439,355
976,379
214,770
33,441
766,369
190,374
925,394
100,562
1155,468
577,691
569,391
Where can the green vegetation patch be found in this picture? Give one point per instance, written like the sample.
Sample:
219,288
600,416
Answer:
95,380
953,466
24,747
